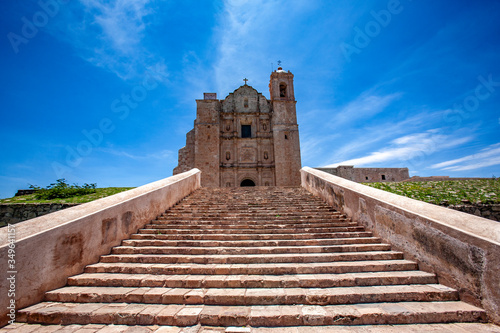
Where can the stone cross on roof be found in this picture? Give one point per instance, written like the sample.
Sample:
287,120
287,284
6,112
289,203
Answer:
245,79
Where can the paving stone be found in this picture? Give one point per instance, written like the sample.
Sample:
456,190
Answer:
167,315
114,329
22,328
86,330
188,316
168,329
149,314
237,330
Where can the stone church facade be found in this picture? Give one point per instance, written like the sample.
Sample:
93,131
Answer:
246,139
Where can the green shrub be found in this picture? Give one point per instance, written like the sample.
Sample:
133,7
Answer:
451,192
61,189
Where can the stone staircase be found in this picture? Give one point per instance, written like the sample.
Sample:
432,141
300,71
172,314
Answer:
253,257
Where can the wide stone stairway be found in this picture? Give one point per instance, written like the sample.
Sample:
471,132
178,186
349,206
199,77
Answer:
256,259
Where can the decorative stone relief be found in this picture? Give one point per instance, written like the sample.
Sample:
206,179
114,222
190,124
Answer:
264,126
247,155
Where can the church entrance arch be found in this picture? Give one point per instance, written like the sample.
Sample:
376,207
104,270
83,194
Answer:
247,182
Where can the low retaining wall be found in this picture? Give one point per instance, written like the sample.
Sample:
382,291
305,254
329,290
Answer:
49,249
462,249
488,211
18,212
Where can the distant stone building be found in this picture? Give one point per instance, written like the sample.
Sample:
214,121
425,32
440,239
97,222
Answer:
369,175
246,139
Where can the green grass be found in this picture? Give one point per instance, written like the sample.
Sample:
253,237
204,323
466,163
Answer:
100,193
446,192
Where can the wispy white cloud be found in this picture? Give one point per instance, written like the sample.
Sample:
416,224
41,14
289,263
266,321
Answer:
486,157
160,155
121,21
14,179
408,147
312,146
365,106
252,34
241,24
368,137
111,35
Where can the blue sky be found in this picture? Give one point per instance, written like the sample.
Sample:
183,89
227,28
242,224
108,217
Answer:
104,91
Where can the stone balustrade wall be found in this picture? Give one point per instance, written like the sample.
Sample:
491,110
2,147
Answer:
462,249
41,253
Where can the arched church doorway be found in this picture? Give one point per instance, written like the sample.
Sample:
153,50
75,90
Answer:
247,182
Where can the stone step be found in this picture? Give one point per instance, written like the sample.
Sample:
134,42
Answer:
252,199
255,227
148,234
249,250
252,231
285,209
253,258
250,243
340,267
245,205
223,199
195,201
271,209
249,205
254,216
286,213
253,281
101,328
267,196
251,209
244,225
284,315
249,201
248,220
253,296
273,257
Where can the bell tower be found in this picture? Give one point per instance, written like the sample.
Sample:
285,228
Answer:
285,129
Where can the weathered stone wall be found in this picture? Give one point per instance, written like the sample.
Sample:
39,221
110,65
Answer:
207,141
24,192
50,248
488,211
462,249
14,213
186,154
368,175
